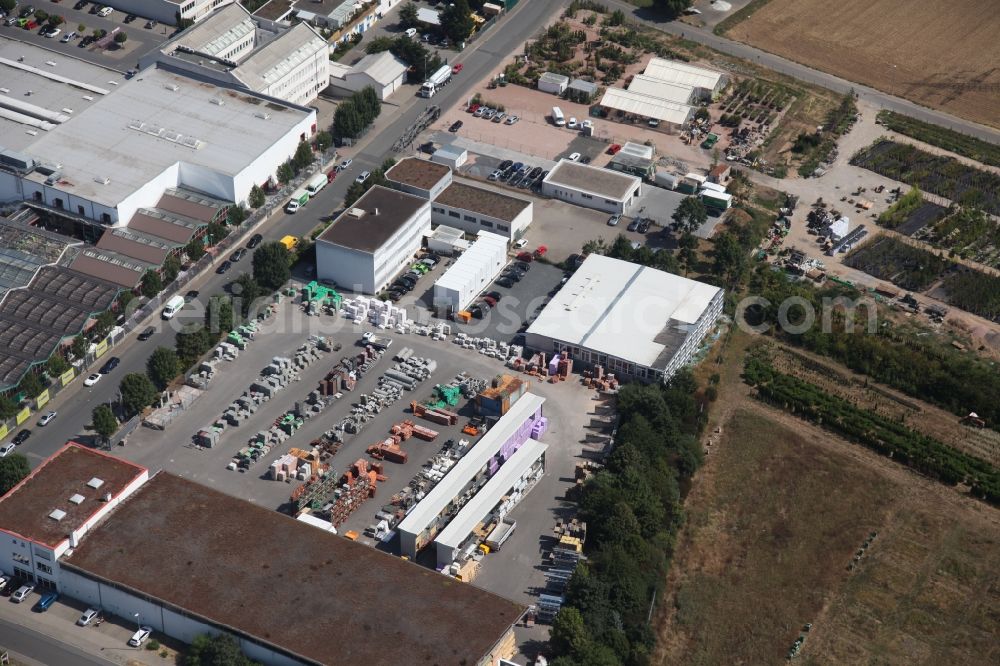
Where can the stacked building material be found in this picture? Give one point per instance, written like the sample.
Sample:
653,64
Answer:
504,390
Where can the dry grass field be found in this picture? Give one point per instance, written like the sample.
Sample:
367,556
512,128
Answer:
942,54
774,519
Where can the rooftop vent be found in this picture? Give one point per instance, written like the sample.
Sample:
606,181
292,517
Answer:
57,515
95,483
172,86
77,499
263,115
89,98
356,212
50,63
4,90
103,180
218,102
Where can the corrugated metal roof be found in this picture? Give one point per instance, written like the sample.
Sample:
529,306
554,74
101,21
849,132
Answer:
671,92
383,68
682,73
646,106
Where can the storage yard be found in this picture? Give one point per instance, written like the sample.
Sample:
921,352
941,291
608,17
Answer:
931,53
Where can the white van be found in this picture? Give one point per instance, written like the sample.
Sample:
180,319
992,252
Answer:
558,119
411,32
173,306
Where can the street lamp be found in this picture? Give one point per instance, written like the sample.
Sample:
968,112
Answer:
138,625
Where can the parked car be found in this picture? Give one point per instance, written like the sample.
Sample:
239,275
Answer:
495,295
499,117
80,5
614,220
506,164
489,114
521,243
130,18
254,241
455,126
505,282
362,177
150,24
46,601
53,32
457,68
472,108
140,636
428,148
633,225
522,265
239,254
511,120
88,616
574,157
92,379
191,295
494,175
147,333
223,267
584,160
517,166
478,113
4,581
21,437
614,148
110,365
572,124
105,12
644,225
7,449
47,418
22,593
68,37
345,164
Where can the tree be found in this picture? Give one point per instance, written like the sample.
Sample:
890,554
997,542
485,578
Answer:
272,265
120,38
104,322
379,44
285,172
30,385
690,214
730,257
323,140
568,634
138,393
672,8
81,28
192,344
218,650
456,21
13,469
151,284
105,423
687,244
8,408
41,15
247,291
171,268
408,16
701,113
195,250
56,21
56,365
219,318
79,347
100,33
256,198
162,366
215,232
303,155
235,215
8,5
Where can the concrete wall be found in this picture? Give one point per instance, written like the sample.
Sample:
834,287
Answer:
589,199
163,619
349,269
397,253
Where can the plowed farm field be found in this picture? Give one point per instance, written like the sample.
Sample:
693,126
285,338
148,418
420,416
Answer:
942,54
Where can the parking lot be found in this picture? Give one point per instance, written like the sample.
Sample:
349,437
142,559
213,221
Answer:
118,56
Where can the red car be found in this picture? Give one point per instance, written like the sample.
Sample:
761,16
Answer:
457,68
525,256
613,149
332,176
473,108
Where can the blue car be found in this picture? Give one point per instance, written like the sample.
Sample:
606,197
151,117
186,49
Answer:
47,600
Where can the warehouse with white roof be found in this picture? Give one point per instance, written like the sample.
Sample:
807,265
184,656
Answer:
486,459
635,321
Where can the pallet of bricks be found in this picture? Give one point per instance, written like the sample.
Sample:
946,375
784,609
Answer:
357,485
598,380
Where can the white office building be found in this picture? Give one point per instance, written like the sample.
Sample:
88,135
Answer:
634,321
592,187
471,273
373,240
488,456
235,48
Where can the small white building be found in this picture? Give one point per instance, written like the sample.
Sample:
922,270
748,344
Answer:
382,71
373,240
471,273
592,187
450,156
476,209
633,320
551,82
447,240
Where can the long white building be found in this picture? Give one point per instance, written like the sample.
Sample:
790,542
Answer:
634,321
485,459
471,273
592,187
373,240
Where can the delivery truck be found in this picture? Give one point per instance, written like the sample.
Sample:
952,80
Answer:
496,538
300,198
316,183
436,81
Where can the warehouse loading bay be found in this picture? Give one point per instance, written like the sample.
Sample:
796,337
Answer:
514,571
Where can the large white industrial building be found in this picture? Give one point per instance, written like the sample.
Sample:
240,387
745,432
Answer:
370,242
632,320
490,455
471,273
119,148
237,49
103,533
592,187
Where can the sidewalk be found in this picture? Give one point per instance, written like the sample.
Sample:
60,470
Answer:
107,643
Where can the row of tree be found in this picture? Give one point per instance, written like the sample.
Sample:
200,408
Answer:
633,508
414,54
356,113
908,447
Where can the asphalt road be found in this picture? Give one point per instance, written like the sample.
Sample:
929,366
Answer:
75,404
41,648
804,73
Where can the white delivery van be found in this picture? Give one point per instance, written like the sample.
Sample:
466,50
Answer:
316,183
558,119
173,306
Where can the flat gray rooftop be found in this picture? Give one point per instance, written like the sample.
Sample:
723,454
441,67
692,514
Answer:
45,86
603,182
373,219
